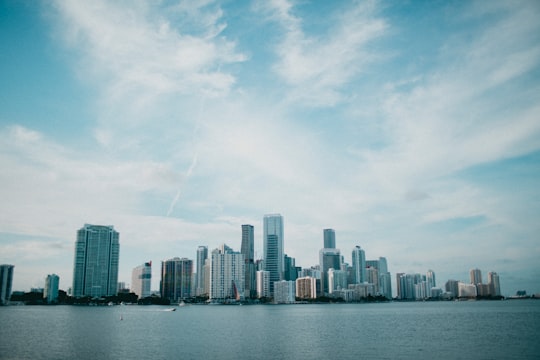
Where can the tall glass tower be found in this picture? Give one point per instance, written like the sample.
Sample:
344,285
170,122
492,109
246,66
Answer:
273,248
247,250
6,281
202,255
176,279
95,270
359,265
329,239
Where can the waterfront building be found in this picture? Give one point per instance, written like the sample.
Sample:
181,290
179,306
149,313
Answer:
284,292
337,280
452,287
175,282
306,288
273,248
329,238
226,274
95,270
291,271
50,293
372,277
202,255
362,291
466,290
141,280
359,265
483,290
493,281
328,259
407,285
263,284
476,276
431,282
249,259
6,282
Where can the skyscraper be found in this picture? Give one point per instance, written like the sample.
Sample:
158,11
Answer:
202,255
328,259
141,280
476,276
273,248
226,274
263,284
494,284
249,259
359,264
329,239
176,279
6,281
50,293
95,270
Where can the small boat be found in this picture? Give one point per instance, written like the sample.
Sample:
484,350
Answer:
170,309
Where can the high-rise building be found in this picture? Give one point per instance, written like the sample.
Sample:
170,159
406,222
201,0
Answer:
476,276
359,265
226,274
176,279
452,287
291,272
493,282
95,270
50,293
141,280
337,280
306,288
6,282
263,284
249,260
273,248
328,259
284,292
431,282
202,255
329,239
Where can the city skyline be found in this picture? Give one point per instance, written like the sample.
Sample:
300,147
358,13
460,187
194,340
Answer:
411,129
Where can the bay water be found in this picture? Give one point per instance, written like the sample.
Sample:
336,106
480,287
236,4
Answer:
394,330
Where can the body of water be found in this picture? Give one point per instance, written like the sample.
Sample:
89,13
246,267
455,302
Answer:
429,330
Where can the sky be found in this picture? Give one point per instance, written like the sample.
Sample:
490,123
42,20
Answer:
412,128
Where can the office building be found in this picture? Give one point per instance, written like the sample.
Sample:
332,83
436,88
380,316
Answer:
329,238
176,277
50,293
202,255
328,259
284,292
6,282
359,265
263,284
476,276
226,274
306,288
249,259
337,280
493,282
141,280
95,270
273,248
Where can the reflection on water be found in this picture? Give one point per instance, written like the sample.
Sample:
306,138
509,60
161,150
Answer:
503,329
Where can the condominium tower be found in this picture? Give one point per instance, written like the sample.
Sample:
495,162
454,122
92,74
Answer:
273,248
141,280
249,259
176,279
50,292
202,255
359,265
226,274
95,270
6,281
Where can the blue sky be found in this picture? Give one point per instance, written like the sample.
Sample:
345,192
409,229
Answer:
411,128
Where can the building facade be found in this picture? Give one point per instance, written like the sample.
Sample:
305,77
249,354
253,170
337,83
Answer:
328,259
263,284
6,283
50,292
226,274
273,248
306,288
476,276
141,280
176,277
359,265
248,249
329,236
284,292
493,282
95,270
202,256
